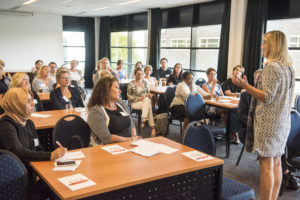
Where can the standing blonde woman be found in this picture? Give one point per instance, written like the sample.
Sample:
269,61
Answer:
270,108
42,82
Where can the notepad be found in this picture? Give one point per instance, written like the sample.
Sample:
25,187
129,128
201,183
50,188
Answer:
197,156
160,147
76,182
39,115
71,168
115,149
72,156
146,151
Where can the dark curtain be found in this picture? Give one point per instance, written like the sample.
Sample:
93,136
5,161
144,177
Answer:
104,38
86,25
155,38
224,43
255,27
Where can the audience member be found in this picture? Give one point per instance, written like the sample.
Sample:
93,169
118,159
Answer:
4,81
228,87
38,64
97,69
75,74
184,88
2,63
105,66
121,74
137,64
42,83
108,116
176,76
269,120
64,95
140,99
52,73
151,81
164,72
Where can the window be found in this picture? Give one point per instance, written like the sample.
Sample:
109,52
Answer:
74,49
291,28
129,47
197,52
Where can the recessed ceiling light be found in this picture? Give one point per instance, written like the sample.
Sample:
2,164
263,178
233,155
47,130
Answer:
129,2
29,2
100,8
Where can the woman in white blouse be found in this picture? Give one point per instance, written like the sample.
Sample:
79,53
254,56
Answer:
75,74
183,89
42,83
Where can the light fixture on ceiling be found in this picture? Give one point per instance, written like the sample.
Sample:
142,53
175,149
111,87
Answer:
102,8
11,12
128,2
29,2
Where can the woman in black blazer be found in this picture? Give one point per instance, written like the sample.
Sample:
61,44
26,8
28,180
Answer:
64,94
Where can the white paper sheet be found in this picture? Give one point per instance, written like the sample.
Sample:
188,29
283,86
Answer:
160,147
146,151
115,149
197,156
39,115
72,156
76,182
71,168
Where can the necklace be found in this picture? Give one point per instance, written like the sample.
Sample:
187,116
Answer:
112,105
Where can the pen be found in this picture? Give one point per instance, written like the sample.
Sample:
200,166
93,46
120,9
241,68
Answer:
58,143
77,182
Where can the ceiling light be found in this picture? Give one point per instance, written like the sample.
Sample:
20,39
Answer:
29,2
128,2
100,8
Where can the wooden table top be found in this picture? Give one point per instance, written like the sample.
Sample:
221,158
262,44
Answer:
44,96
1,96
50,122
224,102
112,172
158,89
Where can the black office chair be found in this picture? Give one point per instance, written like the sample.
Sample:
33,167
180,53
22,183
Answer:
292,153
13,177
72,132
169,96
200,82
201,139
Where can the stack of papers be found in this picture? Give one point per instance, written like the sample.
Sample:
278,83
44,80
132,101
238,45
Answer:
71,156
147,148
115,149
197,156
71,168
76,182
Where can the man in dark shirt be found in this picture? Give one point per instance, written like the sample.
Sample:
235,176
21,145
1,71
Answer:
164,71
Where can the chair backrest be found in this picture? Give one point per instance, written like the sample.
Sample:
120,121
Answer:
297,103
200,82
72,132
169,95
199,138
195,106
13,177
294,136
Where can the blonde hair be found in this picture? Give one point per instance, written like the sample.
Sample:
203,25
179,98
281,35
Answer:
17,79
2,63
104,58
60,72
39,75
148,67
105,73
277,48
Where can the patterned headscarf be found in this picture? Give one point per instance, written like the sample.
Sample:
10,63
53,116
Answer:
14,104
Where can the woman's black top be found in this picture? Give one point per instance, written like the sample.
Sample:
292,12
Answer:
57,101
38,104
4,85
228,85
119,124
22,141
173,79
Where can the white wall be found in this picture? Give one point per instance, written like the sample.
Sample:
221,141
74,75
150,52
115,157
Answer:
25,39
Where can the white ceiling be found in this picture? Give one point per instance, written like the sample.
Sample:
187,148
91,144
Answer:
85,7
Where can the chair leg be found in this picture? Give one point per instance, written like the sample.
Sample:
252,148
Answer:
240,156
139,124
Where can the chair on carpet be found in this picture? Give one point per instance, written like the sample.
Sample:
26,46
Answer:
292,153
169,96
297,103
201,139
72,132
13,177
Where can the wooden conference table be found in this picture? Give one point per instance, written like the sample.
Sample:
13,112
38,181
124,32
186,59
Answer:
131,176
44,96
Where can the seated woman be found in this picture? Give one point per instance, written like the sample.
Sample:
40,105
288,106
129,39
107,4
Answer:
17,133
97,69
108,117
21,79
184,88
75,74
121,74
37,67
64,94
42,83
105,66
228,87
4,81
151,81
140,99
137,64
176,76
